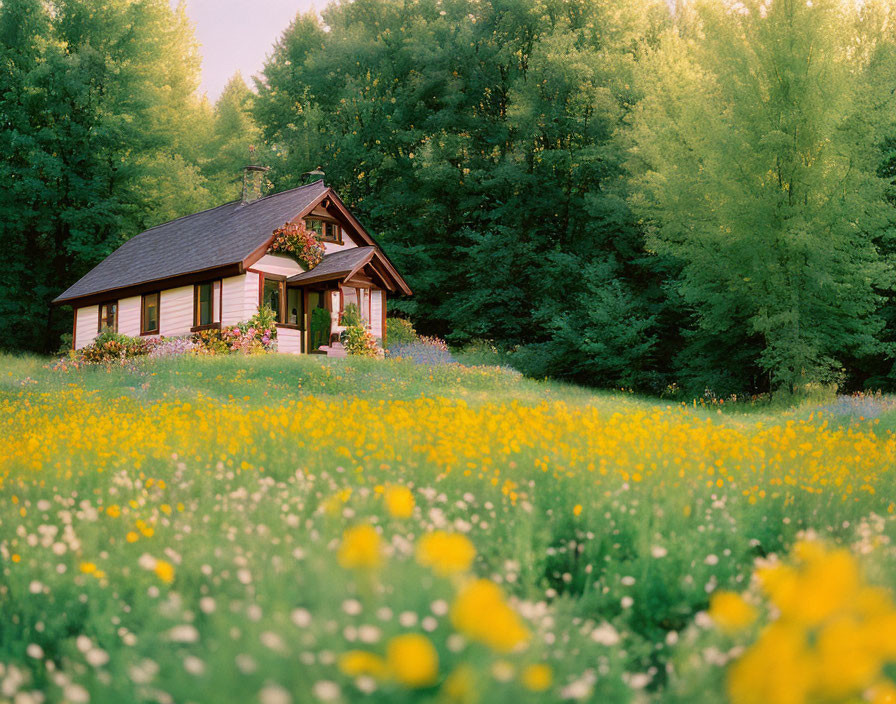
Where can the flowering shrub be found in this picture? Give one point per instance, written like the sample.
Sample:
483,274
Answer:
400,331
256,335
359,341
297,241
172,347
111,347
210,342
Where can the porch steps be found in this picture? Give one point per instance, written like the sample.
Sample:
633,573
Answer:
334,350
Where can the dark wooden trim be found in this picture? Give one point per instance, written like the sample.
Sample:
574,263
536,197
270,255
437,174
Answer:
196,303
281,280
195,306
288,326
384,321
305,212
99,314
143,296
75,329
335,276
402,284
210,326
354,225
387,280
220,300
326,219
268,275
358,281
218,272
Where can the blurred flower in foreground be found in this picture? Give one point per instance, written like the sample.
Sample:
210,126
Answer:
399,501
829,641
361,547
481,614
445,553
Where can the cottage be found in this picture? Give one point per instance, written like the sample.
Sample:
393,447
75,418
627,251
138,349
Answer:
215,268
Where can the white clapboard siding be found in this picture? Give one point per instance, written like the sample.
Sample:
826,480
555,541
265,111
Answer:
176,311
240,299
250,295
86,321
129,316
330,247
216,301
278,264
376,313
289,340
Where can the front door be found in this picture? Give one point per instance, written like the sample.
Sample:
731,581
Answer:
317,319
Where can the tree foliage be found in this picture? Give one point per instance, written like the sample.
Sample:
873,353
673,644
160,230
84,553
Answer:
756,166
103,135
614,191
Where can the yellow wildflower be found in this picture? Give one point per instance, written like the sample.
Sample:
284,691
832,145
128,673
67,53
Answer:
776,670
357,663
577,510
445,553
730,611
88,567
361,547
481,614
164,571
537,677
399,501
412,660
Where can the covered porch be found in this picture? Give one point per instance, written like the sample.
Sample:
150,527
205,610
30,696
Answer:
315,300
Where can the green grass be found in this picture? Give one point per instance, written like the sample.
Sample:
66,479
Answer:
606,518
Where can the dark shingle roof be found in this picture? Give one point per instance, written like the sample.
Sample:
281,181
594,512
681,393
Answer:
212,238
336,265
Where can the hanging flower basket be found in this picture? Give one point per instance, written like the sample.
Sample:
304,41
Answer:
297,241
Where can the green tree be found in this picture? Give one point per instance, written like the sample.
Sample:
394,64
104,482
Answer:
754,154
233,137
95,97
478,140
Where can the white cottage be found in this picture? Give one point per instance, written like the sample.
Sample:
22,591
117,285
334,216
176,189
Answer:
213,268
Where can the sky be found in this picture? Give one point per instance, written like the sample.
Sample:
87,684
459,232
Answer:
237,35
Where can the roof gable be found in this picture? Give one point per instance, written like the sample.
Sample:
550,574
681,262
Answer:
211,239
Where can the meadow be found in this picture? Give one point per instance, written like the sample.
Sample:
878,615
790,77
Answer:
278,530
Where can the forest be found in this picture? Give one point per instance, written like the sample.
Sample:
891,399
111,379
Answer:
620,193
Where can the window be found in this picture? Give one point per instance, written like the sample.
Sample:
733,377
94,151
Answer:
332,232
326,230
149,314
272,296
204,312
108,317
